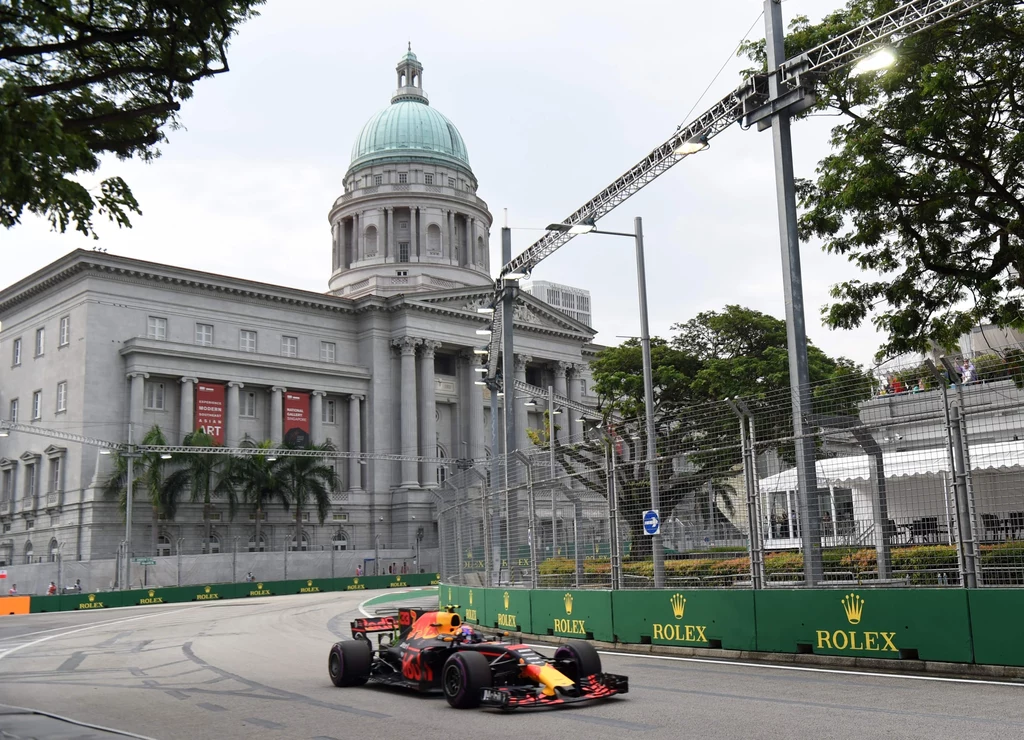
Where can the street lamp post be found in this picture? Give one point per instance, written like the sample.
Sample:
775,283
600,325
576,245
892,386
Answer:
131,453
587,226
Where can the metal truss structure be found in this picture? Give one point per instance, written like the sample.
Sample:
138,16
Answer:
906,20
10,426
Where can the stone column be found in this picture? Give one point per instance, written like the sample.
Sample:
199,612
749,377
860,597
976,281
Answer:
471,236
346,243
446,237
407,346
421,235
475,406
389,252
453,246
573,372
136,405
560,369
522,440
231,414
187,419
357,239
428,414
277,414
316,413
355,472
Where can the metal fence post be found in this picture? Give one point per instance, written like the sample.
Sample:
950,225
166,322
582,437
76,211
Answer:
969,575
180,541
286,557
234,560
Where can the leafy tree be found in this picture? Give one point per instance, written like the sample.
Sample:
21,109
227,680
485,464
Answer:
207,476
163,484
80,80
256,479
925,185
306,481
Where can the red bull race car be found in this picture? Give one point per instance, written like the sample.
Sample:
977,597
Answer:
433,651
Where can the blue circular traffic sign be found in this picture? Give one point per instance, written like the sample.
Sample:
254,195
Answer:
652,522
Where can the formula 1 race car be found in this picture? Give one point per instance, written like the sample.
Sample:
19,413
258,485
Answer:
433,650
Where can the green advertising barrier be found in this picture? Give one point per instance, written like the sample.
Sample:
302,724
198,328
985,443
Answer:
508,609
44,604
146,596
925,624
583,614
453,596
472,604
995,625
716,619
208,592
101,600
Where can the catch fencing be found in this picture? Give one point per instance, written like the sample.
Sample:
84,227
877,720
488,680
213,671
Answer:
918,480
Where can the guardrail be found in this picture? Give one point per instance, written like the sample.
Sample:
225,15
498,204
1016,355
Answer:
212,592
874,621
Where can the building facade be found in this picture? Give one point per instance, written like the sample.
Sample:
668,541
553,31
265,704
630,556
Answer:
574,302
96,345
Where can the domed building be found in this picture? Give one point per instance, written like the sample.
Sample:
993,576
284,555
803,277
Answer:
383,364
409,219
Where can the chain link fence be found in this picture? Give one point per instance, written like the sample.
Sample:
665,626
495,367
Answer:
918,480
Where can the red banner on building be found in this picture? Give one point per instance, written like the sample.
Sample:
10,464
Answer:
296,419
210,410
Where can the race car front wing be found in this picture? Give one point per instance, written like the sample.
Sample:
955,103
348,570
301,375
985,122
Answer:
597,686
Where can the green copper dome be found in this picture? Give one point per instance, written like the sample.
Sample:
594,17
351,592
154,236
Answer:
409,129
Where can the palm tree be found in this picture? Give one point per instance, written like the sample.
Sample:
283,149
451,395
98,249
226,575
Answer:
202,469
163,488
308,480
256,479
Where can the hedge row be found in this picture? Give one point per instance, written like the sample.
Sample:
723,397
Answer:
926,564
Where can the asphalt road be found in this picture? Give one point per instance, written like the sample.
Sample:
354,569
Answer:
256,668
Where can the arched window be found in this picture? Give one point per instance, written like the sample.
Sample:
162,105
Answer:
371,241
214,546
340,540
263,543
481,258
163,545
54,550
28,552
434,239
305,542
442,469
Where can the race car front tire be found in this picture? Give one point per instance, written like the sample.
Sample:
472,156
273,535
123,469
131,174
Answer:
578,660
462,678
349,663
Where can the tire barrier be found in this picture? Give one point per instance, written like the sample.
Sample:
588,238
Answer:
945,625
210,592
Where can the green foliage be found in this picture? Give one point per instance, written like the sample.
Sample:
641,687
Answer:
80,80
306,481
924,189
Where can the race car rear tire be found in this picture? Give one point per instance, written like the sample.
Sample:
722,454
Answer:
463,676
579,659
349,663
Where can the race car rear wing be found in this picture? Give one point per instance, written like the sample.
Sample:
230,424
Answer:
363,627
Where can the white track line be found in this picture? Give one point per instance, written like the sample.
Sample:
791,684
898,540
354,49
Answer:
811,669
16,648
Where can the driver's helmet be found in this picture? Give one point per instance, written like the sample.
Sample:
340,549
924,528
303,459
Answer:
470,634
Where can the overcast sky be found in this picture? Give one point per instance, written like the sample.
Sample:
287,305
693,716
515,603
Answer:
554,101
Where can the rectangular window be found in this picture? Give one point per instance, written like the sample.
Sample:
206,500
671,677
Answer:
204,335
65,331
248,403
403,178
30,480
428,179
328,351
5,490
247,340
40,341
62,396
403,251
55,475
156,328
14,410
290,346
451,182
155,396
378,179
16,354
583,387
327,415
37,405
403,224
338,517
